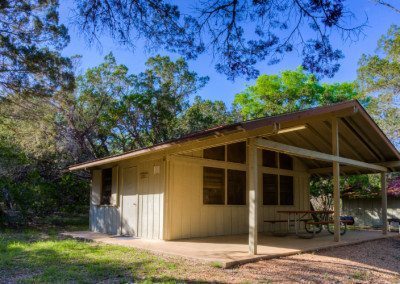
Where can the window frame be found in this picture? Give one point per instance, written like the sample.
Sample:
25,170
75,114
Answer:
225,165
278,171
102,187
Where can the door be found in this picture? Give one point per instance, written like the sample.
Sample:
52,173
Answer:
129,204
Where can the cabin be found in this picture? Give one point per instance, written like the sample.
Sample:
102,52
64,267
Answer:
229,179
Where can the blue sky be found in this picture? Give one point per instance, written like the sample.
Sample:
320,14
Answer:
379,20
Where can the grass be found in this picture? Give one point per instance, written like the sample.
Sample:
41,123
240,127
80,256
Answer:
39,255
216,264
360,275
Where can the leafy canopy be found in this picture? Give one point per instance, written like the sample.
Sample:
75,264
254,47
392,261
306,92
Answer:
30,42
238,33
379,78
113,111
290,91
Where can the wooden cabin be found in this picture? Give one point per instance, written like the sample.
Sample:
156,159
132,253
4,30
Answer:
230,179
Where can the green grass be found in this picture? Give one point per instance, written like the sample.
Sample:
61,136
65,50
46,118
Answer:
32,255
216,264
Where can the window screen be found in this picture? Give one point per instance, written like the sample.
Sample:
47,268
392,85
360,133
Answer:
213,185
106,186
286,190
269,159
215,153
237,152
270,189
285,162
236,187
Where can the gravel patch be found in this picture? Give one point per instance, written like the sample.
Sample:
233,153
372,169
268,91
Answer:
370,262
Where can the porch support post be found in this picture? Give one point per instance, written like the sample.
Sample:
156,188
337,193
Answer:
384,203
253,195
336,180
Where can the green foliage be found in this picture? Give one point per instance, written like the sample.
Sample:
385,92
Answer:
290,91
379,77
366,186
203,114
31,39
113,111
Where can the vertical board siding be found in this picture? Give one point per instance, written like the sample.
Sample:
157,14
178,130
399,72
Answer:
104,219
151,200
190,218
367,212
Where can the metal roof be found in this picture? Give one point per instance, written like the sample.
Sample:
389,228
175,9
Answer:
362,138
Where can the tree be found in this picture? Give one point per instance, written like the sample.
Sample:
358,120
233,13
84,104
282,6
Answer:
113,111
379,78
30,42
203,114
239,33
290,91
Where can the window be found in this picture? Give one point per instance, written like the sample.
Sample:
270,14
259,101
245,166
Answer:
213,185
286,190
237,153
277,188
269,159
225,185
106,184
270,189
236,187
285,162
215,153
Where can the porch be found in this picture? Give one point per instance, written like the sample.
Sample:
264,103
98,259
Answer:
233,250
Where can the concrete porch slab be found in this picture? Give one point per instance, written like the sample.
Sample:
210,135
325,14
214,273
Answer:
232,250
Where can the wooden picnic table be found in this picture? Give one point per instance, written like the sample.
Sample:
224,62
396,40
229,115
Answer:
300,215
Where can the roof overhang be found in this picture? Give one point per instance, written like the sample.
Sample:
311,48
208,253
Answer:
361,138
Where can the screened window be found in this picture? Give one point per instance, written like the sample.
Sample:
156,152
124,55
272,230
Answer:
236,187
237,152
106,184
269,159
286,190
270,189
285,162
213,185
224,185
277,188
215,153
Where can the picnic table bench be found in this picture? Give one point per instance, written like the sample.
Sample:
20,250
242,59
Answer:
312,224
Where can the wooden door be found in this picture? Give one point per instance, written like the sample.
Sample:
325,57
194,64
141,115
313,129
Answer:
129,204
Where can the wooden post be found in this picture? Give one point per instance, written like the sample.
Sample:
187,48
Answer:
252,170
384,203
336,179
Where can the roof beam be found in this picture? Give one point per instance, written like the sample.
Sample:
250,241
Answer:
309,154
349,123
390,164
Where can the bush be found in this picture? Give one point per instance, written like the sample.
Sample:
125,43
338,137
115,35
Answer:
34,197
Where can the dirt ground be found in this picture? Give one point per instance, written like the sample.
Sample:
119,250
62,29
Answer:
371,262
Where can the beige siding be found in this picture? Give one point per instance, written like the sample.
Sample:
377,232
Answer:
151,199
96,187
190,218
106,219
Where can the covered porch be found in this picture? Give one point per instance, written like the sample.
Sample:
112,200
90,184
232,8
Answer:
338,144
228,251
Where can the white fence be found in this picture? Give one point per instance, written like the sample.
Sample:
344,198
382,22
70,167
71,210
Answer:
367,212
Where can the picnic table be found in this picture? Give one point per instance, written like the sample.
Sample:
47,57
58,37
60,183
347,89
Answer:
314,221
